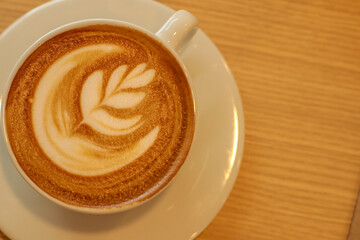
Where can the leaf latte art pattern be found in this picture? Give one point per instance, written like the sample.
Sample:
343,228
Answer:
100,116
57,132
116,97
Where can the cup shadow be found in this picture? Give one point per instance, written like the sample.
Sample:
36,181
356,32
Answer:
61,217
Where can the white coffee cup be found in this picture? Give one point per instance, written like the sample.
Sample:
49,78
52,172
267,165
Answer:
174,35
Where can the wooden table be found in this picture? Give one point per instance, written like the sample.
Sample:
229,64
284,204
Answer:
297,67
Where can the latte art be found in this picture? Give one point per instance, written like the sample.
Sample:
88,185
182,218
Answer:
100,116
53,123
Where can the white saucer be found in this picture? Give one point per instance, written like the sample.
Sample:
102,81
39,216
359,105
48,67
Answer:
203,184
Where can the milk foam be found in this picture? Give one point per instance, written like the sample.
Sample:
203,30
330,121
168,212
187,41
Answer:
55,130
100,116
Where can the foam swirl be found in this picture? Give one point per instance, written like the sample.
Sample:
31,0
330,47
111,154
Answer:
55,130
100,116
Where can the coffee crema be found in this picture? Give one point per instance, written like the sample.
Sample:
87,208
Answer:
100,116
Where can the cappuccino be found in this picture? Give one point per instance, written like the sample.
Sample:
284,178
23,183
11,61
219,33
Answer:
100,116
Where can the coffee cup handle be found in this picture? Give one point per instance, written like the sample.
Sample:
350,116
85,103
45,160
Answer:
178,30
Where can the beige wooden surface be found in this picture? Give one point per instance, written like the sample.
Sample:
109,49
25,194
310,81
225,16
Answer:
297,67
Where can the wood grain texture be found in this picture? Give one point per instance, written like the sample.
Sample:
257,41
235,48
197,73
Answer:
297,67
